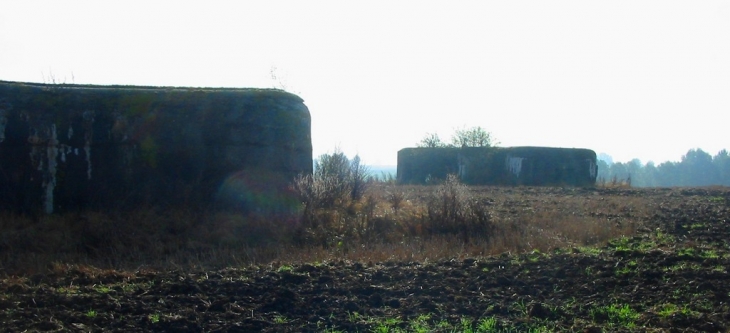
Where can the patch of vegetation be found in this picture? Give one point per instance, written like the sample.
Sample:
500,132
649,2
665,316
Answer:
710,254
280,320
590,250
615,315
668,310
284,268
103,289
154,318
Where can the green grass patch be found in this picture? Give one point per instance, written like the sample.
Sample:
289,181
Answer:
589,250
668,310
615,315
102,289
279,319
709,254
284,268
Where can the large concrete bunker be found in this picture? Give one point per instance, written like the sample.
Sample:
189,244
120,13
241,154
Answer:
540,166
70,147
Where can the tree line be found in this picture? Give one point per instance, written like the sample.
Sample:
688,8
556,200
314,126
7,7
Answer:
696,168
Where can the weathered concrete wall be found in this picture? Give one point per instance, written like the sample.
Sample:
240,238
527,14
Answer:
70,147
500,166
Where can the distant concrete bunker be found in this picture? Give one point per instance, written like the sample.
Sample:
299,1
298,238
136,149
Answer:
539,166
71,147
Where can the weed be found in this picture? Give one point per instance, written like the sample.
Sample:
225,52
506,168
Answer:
675,268
70,290
279,319
695,267
709,254
621,244
420,324
466,326
664,238
102,289
129,287
669,310
154,318
381,328
521,306
91,314
592,251
629,267
688,252
487,325
353,317
694,226
534,256
614,314
387,325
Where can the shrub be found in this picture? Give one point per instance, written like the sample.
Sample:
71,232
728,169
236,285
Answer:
453,210
395,199
357,178
333,172
330,197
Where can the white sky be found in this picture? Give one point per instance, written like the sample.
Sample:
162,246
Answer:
633,79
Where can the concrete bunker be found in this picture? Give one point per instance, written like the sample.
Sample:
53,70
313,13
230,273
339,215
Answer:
539,166
71,147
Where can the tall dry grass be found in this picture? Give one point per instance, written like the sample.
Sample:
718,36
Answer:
388,222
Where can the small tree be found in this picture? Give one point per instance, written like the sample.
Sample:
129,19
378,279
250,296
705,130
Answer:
431,140
336,180
473,137
329,195
333,171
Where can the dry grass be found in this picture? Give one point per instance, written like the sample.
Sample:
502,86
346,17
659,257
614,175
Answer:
614,182
391,222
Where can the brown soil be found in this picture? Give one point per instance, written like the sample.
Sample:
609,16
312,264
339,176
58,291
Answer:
672,276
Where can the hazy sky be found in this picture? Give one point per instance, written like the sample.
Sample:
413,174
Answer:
633,79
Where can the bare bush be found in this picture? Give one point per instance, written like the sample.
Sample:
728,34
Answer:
331,198
331,174
395,199
358,179
453,210
318,192
336,180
